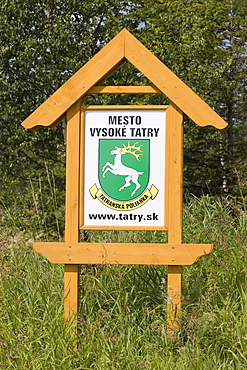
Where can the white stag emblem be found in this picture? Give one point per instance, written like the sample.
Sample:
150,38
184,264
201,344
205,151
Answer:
117,168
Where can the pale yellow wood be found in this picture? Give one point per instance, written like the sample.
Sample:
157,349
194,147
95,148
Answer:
71,291
127,107
167,82
105,227
72,172
174,207
124,90
82,174
71,273
54,124
105,62
174,173
174,295
121,253
167,161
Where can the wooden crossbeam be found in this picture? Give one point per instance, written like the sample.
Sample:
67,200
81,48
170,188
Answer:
121,253
124,90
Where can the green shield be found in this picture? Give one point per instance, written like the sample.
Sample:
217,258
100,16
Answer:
127,171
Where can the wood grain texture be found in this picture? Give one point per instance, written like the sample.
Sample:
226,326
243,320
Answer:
105,227
71,272
81,169
71,291
120,253
124,90
174,173
174,209
174,296
125,107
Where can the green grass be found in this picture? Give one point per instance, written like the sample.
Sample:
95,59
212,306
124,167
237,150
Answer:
122,320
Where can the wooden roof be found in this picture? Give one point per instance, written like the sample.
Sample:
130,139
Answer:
123,47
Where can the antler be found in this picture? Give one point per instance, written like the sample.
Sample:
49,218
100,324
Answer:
132,149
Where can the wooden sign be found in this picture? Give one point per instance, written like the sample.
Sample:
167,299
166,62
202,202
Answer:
124,167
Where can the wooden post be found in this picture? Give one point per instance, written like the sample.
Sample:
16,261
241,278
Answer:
174,208
71,272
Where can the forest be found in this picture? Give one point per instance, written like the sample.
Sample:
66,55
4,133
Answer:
43,43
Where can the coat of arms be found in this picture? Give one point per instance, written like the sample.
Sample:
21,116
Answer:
123,174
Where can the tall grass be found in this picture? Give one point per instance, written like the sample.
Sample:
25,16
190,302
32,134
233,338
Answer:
122,320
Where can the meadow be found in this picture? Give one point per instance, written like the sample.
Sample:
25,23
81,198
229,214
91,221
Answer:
122,319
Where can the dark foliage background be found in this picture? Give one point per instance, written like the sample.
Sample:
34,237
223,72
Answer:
43,43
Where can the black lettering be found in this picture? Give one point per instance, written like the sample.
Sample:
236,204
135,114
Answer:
93,217
131,119
112,120
156,130
119,120
98,131
111,132
125,120
138,132
138,120
143,131
92,131
155,217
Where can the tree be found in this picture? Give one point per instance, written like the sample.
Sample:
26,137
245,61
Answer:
204,43
43,43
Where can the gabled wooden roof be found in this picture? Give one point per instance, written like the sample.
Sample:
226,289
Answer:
123,47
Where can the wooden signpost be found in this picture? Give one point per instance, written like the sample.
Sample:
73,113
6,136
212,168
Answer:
124,168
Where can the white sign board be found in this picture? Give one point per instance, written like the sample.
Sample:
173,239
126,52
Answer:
124,168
